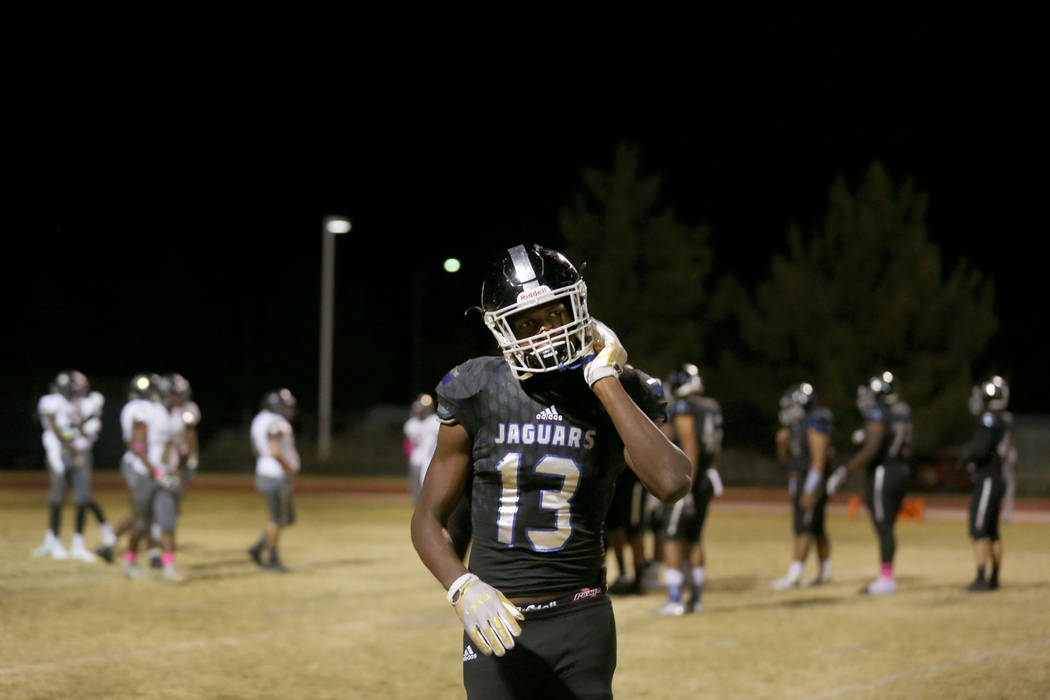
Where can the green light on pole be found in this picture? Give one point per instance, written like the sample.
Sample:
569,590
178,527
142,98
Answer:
451,265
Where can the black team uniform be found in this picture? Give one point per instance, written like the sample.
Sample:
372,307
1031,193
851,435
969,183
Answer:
545,463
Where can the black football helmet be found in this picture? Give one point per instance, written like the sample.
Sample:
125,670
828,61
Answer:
280,401
795,401
880,390
527,277
685,381
990,395
70,384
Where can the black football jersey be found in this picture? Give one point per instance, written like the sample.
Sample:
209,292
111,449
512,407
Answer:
991,442
817,418
707,424
897,432
545,461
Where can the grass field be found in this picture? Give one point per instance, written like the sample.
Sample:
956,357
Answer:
359,616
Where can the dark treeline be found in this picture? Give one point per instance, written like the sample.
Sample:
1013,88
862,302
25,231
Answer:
862,292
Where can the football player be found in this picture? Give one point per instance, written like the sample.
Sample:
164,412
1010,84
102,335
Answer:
420,432
984,456
71,418
539,435
276,464
152,482
696,426
804,447
884,455
625,527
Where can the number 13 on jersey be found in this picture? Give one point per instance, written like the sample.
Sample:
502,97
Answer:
559,502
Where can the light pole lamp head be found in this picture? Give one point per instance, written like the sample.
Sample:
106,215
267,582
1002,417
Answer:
337,224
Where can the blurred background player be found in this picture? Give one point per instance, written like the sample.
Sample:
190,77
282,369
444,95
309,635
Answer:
420,432
276,464
695,425
167,475
71,418
182,458
984,456
625,528
804,446
884,455
146,427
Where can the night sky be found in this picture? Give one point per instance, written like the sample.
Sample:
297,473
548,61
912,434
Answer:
177,226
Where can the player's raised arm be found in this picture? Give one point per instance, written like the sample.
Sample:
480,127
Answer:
661,466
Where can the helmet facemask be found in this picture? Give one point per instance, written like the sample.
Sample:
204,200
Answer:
557,349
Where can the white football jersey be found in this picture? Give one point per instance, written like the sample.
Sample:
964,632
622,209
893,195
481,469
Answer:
54,405
158,431
422,432
268,426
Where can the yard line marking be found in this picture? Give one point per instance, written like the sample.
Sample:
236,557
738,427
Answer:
934,668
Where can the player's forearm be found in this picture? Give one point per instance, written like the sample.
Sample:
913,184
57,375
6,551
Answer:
662,467
435,548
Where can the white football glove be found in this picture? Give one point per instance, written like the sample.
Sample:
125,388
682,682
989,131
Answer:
835,480
716,481
610,355
487,616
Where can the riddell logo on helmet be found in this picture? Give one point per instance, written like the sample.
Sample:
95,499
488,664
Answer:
534,293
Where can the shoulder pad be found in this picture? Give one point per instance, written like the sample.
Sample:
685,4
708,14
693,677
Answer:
875,414
467,379
821,419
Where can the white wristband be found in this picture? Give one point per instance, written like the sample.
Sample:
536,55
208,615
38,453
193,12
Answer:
812,480
457,585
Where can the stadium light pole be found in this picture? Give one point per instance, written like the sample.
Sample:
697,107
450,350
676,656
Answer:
333,225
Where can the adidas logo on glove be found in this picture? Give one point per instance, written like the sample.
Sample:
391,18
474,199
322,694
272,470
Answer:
469,654
549,414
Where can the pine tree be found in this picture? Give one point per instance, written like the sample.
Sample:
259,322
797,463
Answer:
645,268
864,293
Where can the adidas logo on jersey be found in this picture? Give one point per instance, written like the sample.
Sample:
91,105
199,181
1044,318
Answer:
469,654
549,414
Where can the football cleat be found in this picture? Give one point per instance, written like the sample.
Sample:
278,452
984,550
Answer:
132,570
105,553
671,609
782,584
256,554
979,584
82,554
276,565
58,551
170,574
43,550
819,580
883,585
